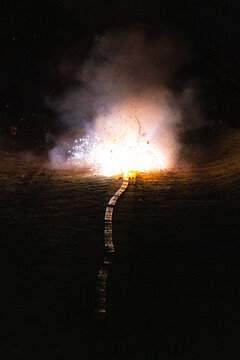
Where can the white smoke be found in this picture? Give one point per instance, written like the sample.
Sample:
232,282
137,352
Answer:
124,90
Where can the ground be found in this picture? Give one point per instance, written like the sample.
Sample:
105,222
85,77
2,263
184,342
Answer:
172,289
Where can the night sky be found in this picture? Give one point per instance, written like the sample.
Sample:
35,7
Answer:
36,37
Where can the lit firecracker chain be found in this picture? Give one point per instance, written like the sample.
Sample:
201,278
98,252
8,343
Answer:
125,154
101,286
118,155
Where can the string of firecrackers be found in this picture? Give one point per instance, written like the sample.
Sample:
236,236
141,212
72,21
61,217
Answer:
101,286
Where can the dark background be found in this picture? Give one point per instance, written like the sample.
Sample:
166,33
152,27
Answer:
37,35
173,289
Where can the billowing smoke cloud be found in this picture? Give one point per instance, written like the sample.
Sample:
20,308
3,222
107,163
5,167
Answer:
123,95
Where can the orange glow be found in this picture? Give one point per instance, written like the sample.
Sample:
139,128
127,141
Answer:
133,136
128,155
138,136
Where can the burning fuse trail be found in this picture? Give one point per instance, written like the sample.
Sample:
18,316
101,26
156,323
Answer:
101,286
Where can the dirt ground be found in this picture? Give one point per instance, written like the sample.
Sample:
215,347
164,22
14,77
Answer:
173,286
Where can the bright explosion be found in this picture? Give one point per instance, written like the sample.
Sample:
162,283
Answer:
113,157
133,136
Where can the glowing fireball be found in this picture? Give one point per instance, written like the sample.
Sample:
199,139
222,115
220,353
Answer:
133,136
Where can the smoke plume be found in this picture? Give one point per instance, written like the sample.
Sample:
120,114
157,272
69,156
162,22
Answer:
124,89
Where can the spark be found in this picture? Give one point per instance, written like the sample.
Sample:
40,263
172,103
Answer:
128,137
115,156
